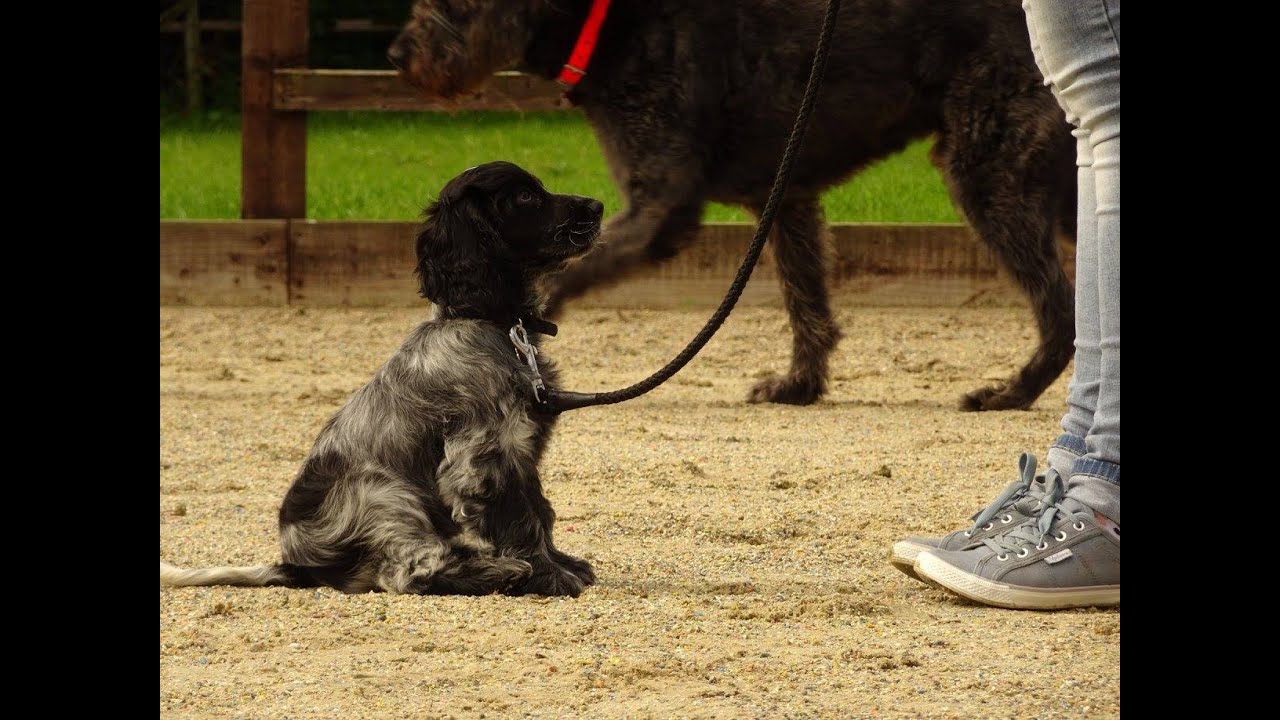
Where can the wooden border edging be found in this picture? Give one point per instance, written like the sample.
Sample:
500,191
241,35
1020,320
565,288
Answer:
341,25
306,89
370,264
224,262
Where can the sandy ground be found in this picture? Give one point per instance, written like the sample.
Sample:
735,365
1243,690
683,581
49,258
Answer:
742,550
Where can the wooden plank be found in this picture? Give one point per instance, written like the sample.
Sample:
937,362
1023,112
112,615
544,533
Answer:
358,263
255,111
171,14
205,26
191,57
871,264
362,25
372,263
290,42
228,262
309,89
364,263
273,143
341,25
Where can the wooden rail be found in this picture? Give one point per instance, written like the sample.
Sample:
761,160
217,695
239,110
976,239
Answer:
361,263
303,89
341,25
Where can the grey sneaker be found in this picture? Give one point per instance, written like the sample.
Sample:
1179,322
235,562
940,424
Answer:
1067,557
1021,500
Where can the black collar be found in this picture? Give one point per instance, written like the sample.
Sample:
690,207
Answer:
538,325
531,323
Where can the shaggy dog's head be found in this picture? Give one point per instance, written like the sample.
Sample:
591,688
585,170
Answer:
493,233
451,46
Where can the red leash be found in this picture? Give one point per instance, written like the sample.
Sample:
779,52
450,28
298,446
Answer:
576,67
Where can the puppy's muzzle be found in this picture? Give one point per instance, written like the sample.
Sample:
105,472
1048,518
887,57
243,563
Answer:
587,229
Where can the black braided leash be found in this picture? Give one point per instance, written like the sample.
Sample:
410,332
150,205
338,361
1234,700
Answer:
561,400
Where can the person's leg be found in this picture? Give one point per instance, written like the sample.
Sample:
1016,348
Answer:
1022,498
1082,61
1082,393
1069,554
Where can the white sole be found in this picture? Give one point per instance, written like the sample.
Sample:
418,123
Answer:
1018,597
904,556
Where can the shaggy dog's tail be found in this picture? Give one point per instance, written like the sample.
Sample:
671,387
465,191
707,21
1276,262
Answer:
253,576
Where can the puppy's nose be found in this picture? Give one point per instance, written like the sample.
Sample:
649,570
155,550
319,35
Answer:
397,56
596,208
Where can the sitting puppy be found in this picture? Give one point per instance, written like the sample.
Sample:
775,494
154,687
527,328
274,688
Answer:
427,480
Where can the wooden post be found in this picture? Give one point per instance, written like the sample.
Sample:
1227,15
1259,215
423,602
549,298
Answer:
191,48
273,146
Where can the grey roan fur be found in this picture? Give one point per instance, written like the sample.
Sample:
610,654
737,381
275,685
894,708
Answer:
427,480
692,101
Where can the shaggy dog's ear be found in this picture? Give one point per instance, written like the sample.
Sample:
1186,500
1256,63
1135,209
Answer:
462,261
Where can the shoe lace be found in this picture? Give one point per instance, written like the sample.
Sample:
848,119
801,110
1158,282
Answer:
1011,494
1033,530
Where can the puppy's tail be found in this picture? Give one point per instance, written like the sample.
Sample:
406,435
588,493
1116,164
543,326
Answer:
253,576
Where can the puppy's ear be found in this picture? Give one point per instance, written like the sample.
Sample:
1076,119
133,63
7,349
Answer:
461,258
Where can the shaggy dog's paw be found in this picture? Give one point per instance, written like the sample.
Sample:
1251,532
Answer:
787,389
995,398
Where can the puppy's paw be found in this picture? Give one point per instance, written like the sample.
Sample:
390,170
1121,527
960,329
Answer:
998,397
477,575
786,389
579,567
552,580
511,572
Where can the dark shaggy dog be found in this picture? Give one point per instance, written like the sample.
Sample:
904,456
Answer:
692,100
427,480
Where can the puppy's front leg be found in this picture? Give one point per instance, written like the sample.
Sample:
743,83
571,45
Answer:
520,522
496,494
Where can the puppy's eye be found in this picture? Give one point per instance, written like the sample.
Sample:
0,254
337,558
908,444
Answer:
525,197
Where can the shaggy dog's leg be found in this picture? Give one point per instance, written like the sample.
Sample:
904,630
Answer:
800,247
1011,188
640,236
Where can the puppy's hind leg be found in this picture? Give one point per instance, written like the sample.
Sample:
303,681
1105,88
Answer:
420,563
466,572
371,533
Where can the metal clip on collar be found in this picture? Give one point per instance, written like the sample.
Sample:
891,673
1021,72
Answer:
527,352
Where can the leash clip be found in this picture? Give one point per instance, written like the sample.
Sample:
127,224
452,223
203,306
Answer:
528,353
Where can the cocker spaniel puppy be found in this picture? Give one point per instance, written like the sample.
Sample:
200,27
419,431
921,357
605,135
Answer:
426,481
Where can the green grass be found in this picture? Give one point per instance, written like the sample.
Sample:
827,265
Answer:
385,166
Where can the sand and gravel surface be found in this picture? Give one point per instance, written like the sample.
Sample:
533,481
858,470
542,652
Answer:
742,550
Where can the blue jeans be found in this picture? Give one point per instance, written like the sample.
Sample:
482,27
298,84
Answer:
1077,47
